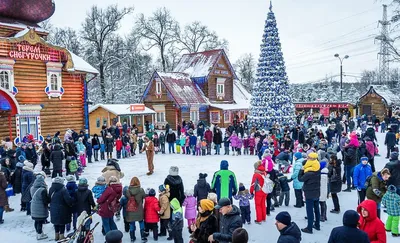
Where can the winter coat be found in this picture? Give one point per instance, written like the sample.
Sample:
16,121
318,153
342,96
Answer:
60,204
234,141
228,223
176,222
335,177
112,192
295,176
165,209
349,231
56,157
72,188
372,225
324,185
283,181
350,155
96,143
176,188
201,189
239,143
208,135
224,183
16,180
206,228
244,198
98,190
171,137
290,234
392,202
360,175
27,178
118,145
330,133
394,168
190,205
245,142
151,209
109,171
162,139
390,139
312,183
258,181
80,147
109,142
369,145
252,142
283,156
267,163
139,194
3,186
217,138
40,200
31,155
192,140
84,200
377,187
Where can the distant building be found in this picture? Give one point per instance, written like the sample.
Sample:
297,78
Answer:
379,100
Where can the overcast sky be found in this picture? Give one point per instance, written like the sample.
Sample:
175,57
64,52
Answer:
311,31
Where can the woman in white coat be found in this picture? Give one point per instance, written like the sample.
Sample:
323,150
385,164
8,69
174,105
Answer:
324,189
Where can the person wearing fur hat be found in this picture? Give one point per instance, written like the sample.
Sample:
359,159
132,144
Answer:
392,202
149,148
112,169
349,231
244,198
151,216
224,182
175,183
202,188
289,231
190,207
165,209
60,207
257,186
206,223
27,180
111,195
39,205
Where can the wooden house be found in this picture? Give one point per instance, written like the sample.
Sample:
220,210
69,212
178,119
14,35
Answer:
110,114
378,100
42,86
202,87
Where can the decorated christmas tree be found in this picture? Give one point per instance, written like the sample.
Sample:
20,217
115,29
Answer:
271,102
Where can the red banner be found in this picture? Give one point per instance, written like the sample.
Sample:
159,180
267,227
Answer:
321,105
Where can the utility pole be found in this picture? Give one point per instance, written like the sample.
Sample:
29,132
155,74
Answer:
383,54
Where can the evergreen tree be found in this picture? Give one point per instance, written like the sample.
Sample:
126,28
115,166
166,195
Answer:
271,102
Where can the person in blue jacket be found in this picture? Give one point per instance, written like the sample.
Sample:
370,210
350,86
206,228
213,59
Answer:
361,172
224,182
192,143
298,185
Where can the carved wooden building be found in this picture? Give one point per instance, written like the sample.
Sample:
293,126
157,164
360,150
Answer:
379,100
202,87
42,86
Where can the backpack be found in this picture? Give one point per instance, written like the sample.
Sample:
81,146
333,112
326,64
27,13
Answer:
73,166
367,182
268,186
132,205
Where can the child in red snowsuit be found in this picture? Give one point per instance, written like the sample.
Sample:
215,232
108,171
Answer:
118,147
151,216
256,188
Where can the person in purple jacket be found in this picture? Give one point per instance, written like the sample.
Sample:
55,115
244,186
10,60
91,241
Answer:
234,142
246,143
244,198
239,145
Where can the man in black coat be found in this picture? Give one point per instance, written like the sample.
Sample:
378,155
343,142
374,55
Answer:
171,139
370,132
348,233
290,232
311,188
390,142
394,168
175,183
56,157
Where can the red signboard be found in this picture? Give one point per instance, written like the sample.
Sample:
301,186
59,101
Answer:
137,107
321,105
40,52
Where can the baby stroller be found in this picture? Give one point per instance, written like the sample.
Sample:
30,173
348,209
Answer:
83,234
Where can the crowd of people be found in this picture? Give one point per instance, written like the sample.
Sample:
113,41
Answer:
319,162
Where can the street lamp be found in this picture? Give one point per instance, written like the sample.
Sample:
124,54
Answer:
341,74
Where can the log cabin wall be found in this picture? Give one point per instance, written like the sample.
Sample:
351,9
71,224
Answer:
4,126
220,70
102,115
375,103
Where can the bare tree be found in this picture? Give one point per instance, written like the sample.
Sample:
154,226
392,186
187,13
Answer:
66,37
98,31
160,31
197,37
246,70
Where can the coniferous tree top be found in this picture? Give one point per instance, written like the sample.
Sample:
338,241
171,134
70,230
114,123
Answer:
271,102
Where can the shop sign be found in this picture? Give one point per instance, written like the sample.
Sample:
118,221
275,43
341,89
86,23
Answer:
29,52
137,107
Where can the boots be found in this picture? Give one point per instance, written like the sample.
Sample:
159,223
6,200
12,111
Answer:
143,235
7,209
41,236
61,237
132,235
57,237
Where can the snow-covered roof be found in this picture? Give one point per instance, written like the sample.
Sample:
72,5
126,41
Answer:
241,97
121,109
21,33
81,65
382,90
182,89
24,26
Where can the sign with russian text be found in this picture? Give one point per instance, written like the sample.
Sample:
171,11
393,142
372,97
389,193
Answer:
38,52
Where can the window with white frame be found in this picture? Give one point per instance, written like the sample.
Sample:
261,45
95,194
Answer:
5,79
54,80
28,124
7,75
158,87
214,116
220,87
194,115
160,117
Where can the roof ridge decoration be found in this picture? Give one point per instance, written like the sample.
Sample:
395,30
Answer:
27,10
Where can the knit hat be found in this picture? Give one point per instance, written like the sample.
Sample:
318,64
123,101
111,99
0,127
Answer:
224,165
241,187
101,180
152,192
162,188
394,156
114,236
70,178
313,155
284,218
83,181
41,173
174,171
350,218
207,204
113,179
304,155
364,159
392,188
240,236
58,180
21,158
202,176
298,155
212,196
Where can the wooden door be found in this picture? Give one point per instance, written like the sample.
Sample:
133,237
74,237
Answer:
367,110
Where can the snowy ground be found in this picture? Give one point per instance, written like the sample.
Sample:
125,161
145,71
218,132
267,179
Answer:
19,228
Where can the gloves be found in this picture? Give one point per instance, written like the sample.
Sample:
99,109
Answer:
377,192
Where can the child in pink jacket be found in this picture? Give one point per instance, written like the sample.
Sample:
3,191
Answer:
239,145
190,205
252,144
234,142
